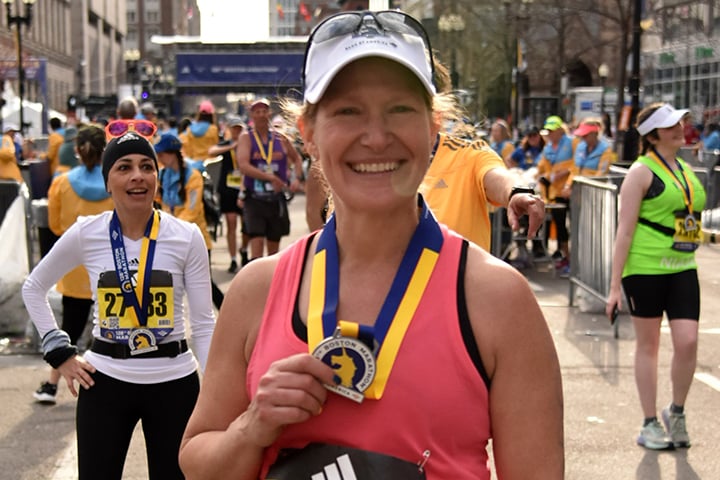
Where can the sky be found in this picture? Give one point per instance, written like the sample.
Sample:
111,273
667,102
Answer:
234,20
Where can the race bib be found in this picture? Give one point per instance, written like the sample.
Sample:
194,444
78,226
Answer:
234,179
117,321
688,232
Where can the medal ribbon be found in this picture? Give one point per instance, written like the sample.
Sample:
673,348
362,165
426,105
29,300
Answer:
266,156
138,297
686,189
400,304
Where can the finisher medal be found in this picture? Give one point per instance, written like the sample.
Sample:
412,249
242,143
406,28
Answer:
363,355
353,362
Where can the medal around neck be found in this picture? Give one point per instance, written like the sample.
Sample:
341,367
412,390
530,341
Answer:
353,362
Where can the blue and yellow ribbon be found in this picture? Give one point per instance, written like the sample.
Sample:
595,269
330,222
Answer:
138,296
398,310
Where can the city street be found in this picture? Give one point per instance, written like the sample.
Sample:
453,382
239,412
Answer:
602,412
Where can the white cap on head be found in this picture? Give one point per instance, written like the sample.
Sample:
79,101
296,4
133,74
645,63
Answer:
325,59
10,127
664,117
260,101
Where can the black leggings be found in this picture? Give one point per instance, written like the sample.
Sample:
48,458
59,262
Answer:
75,316
108,412
559,216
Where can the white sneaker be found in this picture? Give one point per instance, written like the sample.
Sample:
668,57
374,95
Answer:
653,437
675,425
46,393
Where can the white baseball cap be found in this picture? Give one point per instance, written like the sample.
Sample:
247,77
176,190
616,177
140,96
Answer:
326,57
664,117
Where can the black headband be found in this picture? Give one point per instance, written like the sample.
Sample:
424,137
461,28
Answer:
128,144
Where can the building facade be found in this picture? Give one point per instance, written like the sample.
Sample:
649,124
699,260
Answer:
681,57
71,48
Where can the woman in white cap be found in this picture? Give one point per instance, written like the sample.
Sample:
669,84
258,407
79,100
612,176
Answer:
141,264
659,229
384,346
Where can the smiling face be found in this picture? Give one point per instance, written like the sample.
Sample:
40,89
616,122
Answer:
132,181
671,138
260,116
372,133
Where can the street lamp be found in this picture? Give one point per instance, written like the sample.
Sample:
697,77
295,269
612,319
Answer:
603,72
18,20
452,23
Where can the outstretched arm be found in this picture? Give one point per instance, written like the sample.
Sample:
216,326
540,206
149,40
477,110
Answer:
498,186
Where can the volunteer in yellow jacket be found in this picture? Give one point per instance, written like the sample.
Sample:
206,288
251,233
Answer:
9,169
593,155
79,192
554,169
55,139
202,133
181,192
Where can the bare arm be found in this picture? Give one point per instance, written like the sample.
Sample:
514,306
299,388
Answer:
295,160
498,184
634,188
216,150
519,355
227,433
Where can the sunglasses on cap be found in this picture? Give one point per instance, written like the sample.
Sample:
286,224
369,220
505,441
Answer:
118,128
367,24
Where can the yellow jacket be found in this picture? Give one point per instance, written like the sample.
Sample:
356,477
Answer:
54,141
65,205
196,148
556,165
9,169
192,210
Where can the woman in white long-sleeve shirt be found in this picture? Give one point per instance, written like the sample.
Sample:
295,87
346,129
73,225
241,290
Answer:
141,264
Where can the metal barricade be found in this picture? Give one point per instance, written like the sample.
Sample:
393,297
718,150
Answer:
593,223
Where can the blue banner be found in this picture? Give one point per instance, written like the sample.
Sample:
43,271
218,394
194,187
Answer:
268,69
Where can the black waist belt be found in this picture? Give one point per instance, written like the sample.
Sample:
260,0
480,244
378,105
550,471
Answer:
264,196
119,350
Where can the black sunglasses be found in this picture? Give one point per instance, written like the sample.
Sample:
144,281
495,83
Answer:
367,24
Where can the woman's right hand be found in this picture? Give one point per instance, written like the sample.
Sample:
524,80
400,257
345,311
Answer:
290,392
613,305
77,368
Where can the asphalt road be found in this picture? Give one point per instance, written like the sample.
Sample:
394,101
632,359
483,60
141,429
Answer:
602,413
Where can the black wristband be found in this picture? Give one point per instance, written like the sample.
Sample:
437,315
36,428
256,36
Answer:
58,356
521,189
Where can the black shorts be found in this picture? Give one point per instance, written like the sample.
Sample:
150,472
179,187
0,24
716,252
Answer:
266,218
677,294
228,201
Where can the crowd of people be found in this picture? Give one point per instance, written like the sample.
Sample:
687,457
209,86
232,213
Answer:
290,352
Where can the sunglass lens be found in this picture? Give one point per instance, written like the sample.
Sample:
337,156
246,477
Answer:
117,128
145,129
336,26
